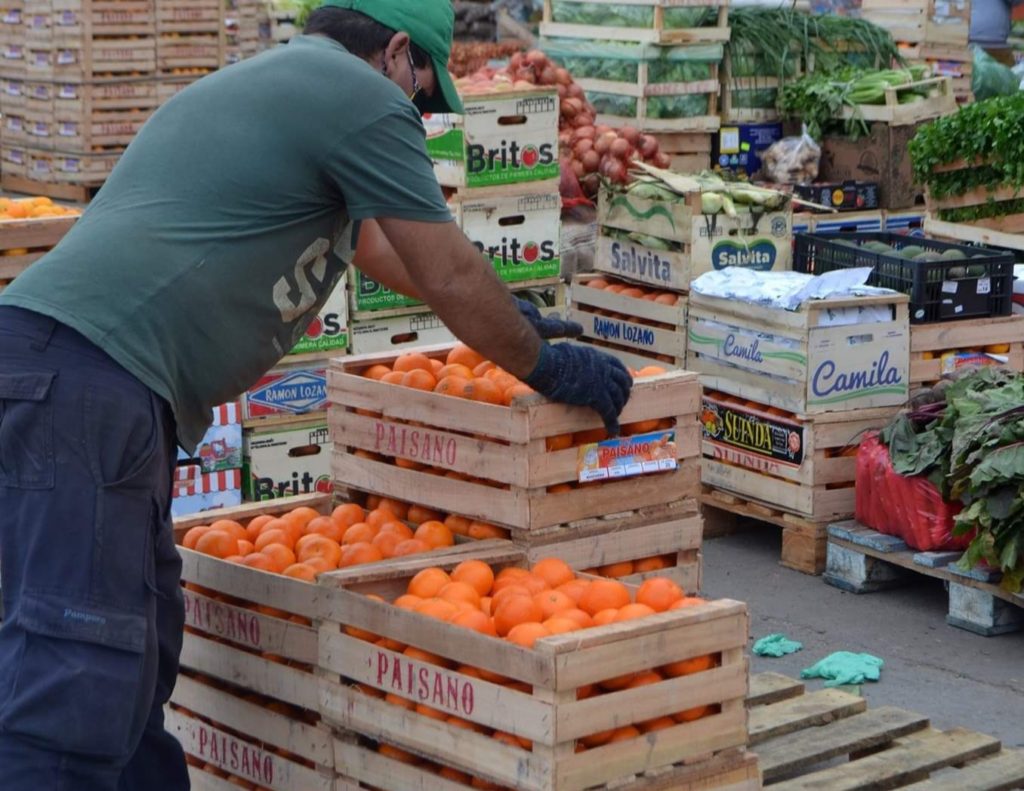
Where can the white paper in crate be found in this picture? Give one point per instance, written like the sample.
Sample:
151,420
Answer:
789,290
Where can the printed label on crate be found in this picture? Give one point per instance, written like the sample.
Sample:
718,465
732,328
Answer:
287,462
757,254
13,88
751,439
446,690
12,16
293,392
627,457
231,754
641,263
371,295
953,361
13,52
230,623
520,235
619,331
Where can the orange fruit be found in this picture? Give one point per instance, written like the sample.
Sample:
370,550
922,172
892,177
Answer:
455,369
667,298
553,603
603,595
433,714
633,611
411,546
318,546
376,371
688,667
425,656
325,526
559,488
657,563
614,570
393,378
428,583
301,571
475,620
456,592
192,536
411,361
408,602
513,611
583,619
483,390
419,380
418,514
693,714
533,584
485,605
526,634
650,370
508,591
624,734
302,515
559,624
347,514
230,526
657,724
483,368
597,282
574,589
437,608
447,772
461,354
475,573
274,536
480,531
605,617
397,755
257,560
387,543
245,547
399,510
554,571
619,682
218,543
558,442
645,679
359,553
640,427
401,702
518,390
659,593
434,533
360,532
588,437
687,601
281,555
319,565
512,571
435,366
452,386
597,739
252,530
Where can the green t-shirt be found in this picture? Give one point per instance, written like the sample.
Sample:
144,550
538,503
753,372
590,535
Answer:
230,218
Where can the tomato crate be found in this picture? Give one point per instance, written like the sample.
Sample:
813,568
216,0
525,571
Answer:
940,349
624,320
24,241
806,361
643,21
805,466
953,282
77,20
690,242
540,703
503,447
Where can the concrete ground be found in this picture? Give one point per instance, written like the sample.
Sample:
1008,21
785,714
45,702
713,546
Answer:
954,677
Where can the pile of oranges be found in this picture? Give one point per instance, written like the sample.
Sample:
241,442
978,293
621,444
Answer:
28,208
304,543
621,287
521,606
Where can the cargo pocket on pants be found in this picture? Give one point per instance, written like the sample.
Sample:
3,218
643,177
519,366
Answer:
78,683
26,430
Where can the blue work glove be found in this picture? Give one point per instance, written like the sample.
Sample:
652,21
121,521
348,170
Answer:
583,376
776,645
550,327
844,667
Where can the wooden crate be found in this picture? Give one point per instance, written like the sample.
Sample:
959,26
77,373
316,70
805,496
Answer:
940,102
690,152
978,197
79,20
929,343
699,243
14,159
180,16
549,715
188,51
503,447
802,466
652,330
81,100
85,59
795,361
961,232
654,33
84,170
99,129
921,21
24,241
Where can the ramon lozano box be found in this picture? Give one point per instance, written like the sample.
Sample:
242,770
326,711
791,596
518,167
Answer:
831,355
504,138
286,391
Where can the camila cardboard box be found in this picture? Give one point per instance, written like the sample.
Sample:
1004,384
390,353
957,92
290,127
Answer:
504,138
286,460
221,447
194,490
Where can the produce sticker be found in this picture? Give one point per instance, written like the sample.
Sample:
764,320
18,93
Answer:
627,457
751,439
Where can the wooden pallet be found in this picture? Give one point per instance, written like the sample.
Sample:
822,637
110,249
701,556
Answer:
803,541
929,342
546,711
655,33
798,737
802,465
861,560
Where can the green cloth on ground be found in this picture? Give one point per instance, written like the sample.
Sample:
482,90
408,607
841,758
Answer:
776,645
844,667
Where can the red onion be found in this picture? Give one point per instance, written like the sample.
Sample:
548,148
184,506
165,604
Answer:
648,146
663,161
630,133
604,143
548,76
621,149
591,161
583,133
583,146
563,76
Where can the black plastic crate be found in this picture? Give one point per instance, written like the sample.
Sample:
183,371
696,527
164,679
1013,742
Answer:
979,285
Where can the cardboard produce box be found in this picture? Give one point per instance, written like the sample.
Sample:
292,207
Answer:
398,332
281,461
503,138
286,391
881,157
194,490
328,332
221,446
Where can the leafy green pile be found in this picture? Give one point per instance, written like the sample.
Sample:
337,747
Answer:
689,105
819,99
970,444
631,15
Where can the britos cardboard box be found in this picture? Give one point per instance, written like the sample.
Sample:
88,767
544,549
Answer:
282,461
221,447
329,331
194,490
388,333
286,391
504,138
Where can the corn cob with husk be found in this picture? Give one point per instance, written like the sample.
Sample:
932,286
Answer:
717,196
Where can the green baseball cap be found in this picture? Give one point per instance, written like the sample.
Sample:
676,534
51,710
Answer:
430,24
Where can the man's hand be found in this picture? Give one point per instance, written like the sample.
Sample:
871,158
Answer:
583,376
550,327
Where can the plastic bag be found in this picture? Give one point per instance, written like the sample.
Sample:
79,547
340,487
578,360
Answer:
910,508
792,160
990,78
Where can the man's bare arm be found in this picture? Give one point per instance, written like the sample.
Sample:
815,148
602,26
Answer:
377,259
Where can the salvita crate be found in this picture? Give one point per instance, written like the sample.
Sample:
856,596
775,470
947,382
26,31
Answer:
530,693
506,448
831,355
503,138
688,241
801,465
618,316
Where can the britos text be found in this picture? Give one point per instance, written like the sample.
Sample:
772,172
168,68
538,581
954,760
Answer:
508,155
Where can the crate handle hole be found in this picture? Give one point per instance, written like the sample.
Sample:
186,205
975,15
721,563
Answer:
516,219
305,450
405,337
512,120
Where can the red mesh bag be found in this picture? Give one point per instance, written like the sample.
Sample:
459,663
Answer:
569,187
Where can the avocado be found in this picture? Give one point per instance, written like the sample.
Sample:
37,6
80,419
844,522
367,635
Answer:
957,272
911,252
953,255
926,257
977,270
878,247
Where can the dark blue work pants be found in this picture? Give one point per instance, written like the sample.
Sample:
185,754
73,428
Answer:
92,604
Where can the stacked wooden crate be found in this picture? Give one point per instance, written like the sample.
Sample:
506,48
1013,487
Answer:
23,241
788,395
934,32
649,250
534,471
